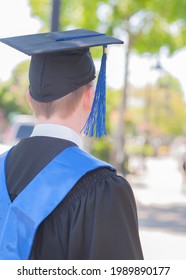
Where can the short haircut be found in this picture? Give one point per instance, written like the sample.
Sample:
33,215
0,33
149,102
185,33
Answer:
64,106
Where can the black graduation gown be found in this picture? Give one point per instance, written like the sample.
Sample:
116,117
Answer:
96,220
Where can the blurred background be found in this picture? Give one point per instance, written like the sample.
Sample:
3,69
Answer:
146,100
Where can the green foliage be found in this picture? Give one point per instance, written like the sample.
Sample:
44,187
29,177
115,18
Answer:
171,10
113,98
168,82
140,150
161,112
149,24
162,109
101,148
155,35
80,14
12,93
42,10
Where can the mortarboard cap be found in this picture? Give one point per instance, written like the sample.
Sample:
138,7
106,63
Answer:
61,63
55,42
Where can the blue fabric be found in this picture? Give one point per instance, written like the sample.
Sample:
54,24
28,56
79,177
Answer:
20,219
96,122
66,38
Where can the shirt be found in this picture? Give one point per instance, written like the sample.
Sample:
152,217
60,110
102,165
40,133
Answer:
57,131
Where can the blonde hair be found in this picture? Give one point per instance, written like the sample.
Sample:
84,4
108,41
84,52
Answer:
64,106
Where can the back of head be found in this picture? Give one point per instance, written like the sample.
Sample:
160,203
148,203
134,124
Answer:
61,63
53,76
63,107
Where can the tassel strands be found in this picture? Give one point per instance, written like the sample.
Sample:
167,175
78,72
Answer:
96,122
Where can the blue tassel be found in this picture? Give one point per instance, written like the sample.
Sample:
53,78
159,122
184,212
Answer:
96,122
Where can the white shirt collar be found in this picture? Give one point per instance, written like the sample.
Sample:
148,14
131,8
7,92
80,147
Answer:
57,131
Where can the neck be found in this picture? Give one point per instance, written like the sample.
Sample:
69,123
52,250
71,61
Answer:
69,122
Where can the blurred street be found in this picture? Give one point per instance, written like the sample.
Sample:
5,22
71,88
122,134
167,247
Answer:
159,190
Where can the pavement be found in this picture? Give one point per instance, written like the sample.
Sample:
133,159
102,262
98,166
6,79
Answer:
159,188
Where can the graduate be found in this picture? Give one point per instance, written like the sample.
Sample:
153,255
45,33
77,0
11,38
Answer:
57,202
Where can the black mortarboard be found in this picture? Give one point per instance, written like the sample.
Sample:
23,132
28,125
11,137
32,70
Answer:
61,63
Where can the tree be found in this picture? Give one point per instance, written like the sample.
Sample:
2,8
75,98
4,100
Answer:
147,30
146,26
13,91
161,108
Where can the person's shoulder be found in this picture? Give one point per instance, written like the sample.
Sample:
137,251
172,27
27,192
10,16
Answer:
99,189
114,187
112,179
100,181
122,182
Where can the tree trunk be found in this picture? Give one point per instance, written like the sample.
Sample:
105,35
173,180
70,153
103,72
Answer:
121,156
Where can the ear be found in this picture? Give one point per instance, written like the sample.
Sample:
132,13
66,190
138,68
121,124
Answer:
88,98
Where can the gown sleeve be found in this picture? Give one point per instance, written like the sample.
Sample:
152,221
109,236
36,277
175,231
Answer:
96,221
104,224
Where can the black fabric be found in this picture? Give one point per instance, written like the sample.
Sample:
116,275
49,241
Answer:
28,157
96,220
54,76
61,61
54,42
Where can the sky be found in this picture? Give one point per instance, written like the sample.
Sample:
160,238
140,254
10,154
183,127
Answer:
17,21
